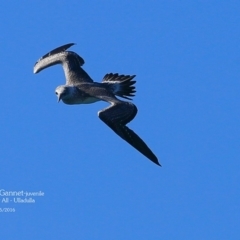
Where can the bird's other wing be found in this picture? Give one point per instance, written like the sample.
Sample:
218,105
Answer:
116,116
58,50
70,61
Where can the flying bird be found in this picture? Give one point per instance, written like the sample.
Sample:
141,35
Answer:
81,89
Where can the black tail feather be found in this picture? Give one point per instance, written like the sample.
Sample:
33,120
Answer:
121,85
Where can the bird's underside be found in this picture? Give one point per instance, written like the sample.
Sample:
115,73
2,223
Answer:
80,89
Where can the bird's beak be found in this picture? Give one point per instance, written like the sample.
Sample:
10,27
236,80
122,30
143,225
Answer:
59,98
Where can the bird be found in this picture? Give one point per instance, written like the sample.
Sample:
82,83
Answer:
81,89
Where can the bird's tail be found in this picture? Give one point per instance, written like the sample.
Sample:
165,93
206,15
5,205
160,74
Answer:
121,85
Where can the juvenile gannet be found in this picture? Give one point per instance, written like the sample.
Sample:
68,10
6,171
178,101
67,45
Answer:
81,89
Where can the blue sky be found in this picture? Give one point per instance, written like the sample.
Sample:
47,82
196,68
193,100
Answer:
96,186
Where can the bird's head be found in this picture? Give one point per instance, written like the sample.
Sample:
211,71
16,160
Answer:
62,92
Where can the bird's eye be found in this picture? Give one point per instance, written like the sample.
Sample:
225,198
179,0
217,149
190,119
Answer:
56,93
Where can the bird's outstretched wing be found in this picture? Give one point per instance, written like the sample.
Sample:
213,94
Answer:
70,61
116,117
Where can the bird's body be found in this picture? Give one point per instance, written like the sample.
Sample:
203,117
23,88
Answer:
75,94
81,89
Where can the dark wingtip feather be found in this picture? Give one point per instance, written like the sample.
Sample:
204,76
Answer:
155,160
